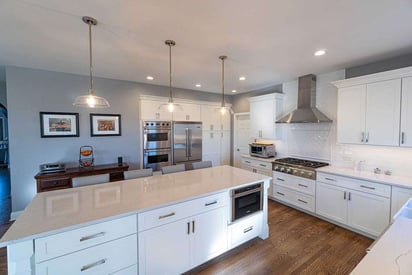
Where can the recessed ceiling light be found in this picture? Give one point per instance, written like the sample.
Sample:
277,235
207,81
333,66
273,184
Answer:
198,85
149,77
320,52
242,78
234,91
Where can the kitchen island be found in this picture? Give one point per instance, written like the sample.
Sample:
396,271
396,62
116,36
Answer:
125,227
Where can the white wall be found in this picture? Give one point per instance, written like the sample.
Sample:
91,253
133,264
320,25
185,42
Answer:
32,91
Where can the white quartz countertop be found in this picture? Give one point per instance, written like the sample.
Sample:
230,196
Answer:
61,210
366,175
261,159
392,254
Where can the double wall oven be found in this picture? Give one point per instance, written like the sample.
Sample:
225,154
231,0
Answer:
157,141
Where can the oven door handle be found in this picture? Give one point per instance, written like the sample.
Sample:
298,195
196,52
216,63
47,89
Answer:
247,192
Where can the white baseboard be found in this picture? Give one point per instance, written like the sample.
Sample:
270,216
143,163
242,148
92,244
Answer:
15,215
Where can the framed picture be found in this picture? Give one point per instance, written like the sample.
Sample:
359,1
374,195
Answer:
59,124
105,125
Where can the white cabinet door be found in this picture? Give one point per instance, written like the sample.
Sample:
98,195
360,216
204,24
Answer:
383,112
262,119
210,118
351,114
406,113
367,212
211,146
399,197
331,202
186,112
154,110
209,235
165,249
225,148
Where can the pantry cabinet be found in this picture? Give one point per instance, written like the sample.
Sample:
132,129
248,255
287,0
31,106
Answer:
213,120
186,112
370,113
216,147
358,204
263,113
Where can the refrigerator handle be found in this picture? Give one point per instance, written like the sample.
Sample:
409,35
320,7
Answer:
189,146
187,142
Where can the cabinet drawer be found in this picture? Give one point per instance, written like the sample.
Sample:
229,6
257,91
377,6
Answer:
55,183
356,184
263,165
304,201
245,229
297,183
116,176
283,194
71,241
301,200
167,214
106,258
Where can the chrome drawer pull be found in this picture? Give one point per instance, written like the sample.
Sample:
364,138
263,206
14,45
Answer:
167,215
264,165
188,228
86,267
302,185
210,203
193,226
248,229
367,187
101,234
302,201
247,161
330,179
344,195
280,179
280,193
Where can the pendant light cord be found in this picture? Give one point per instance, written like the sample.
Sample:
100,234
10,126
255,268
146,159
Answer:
170,73
90,58
223,57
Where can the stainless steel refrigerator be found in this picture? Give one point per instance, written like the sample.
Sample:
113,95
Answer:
187,142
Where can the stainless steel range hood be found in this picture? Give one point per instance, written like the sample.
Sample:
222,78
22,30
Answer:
306,111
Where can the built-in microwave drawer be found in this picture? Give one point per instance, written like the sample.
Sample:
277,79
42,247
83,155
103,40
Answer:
77,239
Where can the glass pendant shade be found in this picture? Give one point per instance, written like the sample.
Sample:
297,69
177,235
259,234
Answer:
91,100
223,108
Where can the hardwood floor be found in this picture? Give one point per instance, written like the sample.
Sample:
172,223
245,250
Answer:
298,244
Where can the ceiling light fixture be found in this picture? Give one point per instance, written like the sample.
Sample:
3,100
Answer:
149,77
91,100
320,52
223,108
198,85
234,91
242,78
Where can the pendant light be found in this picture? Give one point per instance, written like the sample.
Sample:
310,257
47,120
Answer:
170,104
91,100
223,108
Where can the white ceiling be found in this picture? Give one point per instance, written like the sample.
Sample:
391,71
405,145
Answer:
268,41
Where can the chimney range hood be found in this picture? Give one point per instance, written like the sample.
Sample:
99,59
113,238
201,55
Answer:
306,111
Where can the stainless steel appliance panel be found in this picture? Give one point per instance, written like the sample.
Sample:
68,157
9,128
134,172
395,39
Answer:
156,159
156,135
247,200
187,142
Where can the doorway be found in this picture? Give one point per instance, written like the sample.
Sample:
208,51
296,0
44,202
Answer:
241,137
5,198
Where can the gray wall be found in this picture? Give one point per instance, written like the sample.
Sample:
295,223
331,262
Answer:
380,66
32,91
3,93
240,103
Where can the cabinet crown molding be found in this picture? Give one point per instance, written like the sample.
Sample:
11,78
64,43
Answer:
180,100
273,96
376,77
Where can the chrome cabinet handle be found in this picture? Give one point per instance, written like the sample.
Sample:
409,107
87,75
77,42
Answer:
349,198
247,229
344,195
263,165
302,185
367,137
247,161
100,234
167,215
367,187
330,179
279,179
363,137
280,193
302,201
193,226
188,228
86,267
402,137
210,203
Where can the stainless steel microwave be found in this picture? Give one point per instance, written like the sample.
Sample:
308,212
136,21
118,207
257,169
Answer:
262,150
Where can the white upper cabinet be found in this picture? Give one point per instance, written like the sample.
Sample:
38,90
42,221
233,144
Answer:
263,112
369,108
154,110
213,120
186,112
406,113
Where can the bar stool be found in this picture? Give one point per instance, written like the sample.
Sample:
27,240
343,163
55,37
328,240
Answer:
201,164
88,180
141,173
173,169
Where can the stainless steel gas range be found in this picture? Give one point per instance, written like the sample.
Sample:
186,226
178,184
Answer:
294,182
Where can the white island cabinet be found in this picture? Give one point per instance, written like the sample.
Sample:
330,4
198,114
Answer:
156,225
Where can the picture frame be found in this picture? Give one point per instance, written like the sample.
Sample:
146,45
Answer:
58,124
105,125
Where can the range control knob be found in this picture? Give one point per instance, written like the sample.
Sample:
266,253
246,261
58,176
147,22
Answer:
302,172
288,170
276,168
282,169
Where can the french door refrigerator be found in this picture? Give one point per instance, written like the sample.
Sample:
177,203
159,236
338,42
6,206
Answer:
187,143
